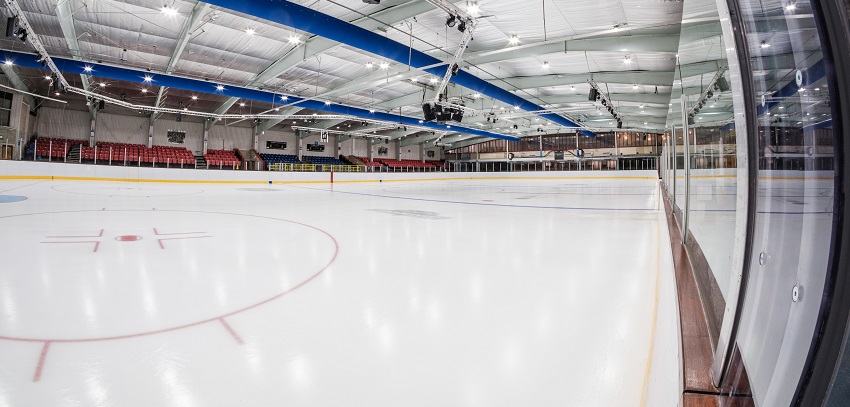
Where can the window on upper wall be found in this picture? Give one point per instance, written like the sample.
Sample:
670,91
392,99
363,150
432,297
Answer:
5,108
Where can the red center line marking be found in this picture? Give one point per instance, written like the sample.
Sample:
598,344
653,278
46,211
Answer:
66,237
232,331
41,358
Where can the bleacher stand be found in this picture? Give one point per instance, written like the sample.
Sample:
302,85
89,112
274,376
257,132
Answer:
54,147
405,164
369,163
137,153
320,160
222,158
279,159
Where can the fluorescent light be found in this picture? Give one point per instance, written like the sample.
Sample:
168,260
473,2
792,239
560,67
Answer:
171,12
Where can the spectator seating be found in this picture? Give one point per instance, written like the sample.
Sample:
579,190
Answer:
222,158
279,159
368,162
134,153
320,160
413,164
54,147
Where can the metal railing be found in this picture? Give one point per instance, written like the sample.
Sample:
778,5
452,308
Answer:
315,167
582,164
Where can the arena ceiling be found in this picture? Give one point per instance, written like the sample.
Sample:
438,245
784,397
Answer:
543,52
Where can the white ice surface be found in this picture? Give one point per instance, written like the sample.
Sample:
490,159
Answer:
441,293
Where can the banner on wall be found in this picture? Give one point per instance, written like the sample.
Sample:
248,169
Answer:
324,136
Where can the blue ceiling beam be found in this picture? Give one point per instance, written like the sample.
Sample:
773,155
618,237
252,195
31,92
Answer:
309,20
205,86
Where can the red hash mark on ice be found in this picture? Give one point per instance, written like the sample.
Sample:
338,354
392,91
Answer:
96,242
232,331
175,236
41,358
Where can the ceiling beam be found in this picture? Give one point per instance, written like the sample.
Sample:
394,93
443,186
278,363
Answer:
636,43
183,38
315,45
69,31
19,84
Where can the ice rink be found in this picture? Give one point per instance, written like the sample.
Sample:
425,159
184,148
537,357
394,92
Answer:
435,293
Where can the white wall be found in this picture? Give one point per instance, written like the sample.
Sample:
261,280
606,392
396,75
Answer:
357,146
232,136
63,123
438,153
278,135
194,129
413,152
330,146
118,128
392,149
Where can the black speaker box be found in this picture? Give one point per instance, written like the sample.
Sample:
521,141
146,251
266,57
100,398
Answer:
11,22
592,95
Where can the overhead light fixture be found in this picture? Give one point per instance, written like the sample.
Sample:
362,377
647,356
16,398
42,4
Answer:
514,39
414,80
369,65
242,104
634,87
168,11
327,103
791,7
250,31
102,85
433,80
284,97
545,65
194,97
48,77
148,78
572,88
87,68
385,65
294,39
451,21
219,88
371,111
476,95
8,62
764,44
627,60
144,90
462,26
472,7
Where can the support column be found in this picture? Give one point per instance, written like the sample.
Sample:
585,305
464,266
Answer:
150,136
258,129
370,154
398,150
91,131
207,125
300,142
